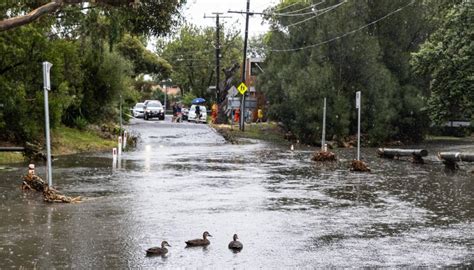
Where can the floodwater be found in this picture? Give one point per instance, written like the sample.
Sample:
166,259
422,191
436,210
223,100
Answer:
289,212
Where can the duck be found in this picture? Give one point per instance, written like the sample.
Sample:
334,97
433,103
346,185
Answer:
158,250
235,245
199,242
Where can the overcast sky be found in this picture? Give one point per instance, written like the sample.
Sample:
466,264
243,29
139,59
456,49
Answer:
195,9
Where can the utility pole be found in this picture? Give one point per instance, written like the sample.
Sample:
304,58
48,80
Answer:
46,88
218,51
244,67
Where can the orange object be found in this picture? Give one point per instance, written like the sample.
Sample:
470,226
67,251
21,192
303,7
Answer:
237,115
215,108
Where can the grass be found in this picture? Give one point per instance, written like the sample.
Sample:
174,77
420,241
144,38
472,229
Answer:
268,131
69,141
11,157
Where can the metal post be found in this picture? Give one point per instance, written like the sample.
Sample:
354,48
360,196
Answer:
323,137
47,86
120,132
218,55
244,67
166,95
358,105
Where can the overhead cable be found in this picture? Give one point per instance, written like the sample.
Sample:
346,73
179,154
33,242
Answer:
321,12
346,34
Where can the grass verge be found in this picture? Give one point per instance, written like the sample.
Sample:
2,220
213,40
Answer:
69,141
268,131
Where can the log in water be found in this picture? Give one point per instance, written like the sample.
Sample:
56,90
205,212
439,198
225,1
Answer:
456,156
394,152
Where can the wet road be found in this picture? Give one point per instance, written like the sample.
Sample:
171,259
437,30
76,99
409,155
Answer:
183,179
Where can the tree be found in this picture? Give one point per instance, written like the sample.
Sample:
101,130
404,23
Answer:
144,61
447,58
337,53
144,16
192,56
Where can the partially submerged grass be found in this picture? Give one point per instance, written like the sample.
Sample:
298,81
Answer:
69,141
11,157
269,131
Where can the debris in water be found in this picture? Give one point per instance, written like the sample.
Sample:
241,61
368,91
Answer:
324,156
359,166
33,182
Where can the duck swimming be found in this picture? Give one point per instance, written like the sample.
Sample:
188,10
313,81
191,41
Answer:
235,245
158,250
199,242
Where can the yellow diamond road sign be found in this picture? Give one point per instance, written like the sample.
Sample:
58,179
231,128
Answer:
242,88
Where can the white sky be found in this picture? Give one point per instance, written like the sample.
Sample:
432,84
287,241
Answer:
195,9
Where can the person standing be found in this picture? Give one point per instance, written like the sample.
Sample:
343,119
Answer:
259,115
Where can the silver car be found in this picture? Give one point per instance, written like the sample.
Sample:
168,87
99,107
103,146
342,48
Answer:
138,111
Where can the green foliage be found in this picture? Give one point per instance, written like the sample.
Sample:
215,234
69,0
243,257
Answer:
374,61
192,56
188,98
447,58
144,61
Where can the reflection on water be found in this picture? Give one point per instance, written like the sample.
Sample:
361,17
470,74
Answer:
288,211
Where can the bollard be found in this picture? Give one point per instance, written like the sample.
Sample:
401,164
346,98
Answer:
119,147
124,140
292,148
325,147
114,157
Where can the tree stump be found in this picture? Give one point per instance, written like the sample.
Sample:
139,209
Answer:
359,166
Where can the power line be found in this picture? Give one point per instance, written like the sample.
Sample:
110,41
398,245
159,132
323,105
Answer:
321,12
295,12
346,34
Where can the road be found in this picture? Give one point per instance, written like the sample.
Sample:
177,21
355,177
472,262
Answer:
183,179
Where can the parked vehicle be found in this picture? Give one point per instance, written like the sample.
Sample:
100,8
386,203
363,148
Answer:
192,114
154,109
138,111
185,112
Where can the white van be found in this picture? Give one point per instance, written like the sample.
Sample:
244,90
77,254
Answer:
192,114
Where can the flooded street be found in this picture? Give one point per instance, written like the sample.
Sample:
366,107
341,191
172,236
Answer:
183,179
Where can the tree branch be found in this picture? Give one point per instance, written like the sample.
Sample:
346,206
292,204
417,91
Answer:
53,6
28,18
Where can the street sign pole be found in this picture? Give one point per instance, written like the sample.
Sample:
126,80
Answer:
358,99
323,137
46,87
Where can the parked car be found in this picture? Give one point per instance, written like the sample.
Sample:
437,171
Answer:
138,110
185,112
192,114
154,109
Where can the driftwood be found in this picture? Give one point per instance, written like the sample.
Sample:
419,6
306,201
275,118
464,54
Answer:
450,159
359,166
321,156
416,154
33,182
52,195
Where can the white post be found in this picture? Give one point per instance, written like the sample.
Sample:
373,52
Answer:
323,137
358,106
114,157
119,147
46,87
124,140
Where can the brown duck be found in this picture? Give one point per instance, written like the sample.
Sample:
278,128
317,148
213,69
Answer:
199,242
235,245
158,250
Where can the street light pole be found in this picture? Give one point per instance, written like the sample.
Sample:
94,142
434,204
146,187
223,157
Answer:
46,87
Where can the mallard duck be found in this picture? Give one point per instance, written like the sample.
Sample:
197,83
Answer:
199,242
235,245
158,250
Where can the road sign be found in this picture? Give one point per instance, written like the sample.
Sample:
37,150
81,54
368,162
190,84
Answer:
232,92
242,88
46,80
358,100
